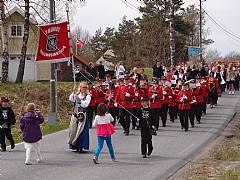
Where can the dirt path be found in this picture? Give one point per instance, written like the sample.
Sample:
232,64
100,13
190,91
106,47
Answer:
203,157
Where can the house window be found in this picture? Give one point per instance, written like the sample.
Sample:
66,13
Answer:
16,31
58,66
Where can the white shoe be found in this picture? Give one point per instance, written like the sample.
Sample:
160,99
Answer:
28,163
40,161
229,92
232,92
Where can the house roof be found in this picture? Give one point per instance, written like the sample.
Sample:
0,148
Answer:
108,65
19,11
85,61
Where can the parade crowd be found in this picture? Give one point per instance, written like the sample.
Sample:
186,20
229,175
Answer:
135,102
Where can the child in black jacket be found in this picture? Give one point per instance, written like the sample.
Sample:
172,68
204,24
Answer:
146,120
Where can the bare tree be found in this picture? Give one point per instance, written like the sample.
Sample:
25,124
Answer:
5,54
21,66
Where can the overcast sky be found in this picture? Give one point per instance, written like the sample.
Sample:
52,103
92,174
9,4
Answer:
109,13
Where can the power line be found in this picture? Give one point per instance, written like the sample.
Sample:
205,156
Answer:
224,37
221,23
224,30
130,6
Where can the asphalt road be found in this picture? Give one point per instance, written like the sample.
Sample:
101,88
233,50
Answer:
173,148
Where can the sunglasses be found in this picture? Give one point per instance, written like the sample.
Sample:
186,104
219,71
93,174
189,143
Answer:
84,87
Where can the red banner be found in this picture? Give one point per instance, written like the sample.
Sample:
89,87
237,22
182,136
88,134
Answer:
53,43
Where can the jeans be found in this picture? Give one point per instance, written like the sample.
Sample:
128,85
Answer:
100,146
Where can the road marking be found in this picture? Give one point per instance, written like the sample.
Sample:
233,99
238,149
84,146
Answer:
186,148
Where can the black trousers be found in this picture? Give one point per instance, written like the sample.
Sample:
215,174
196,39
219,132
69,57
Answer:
199,111
134,120
113,112
125,119
157,112
192,113
172,113
7,133
204,108
183,115
90,110
164,114
146,140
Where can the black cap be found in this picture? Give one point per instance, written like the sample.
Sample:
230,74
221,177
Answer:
108,75
4,99
144,98
126,77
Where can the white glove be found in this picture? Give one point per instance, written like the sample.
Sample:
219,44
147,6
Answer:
115,104
109,98
184,97
164,92
153,96
130,84
181,100
136,94
127,95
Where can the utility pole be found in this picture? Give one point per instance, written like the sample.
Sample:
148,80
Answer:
52,114
200,25
172,40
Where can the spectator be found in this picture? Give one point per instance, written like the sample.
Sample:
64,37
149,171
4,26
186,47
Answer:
157,70
101,70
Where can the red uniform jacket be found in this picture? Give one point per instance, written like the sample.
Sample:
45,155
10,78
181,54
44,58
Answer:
186,103
124,101
110,96
195,92
94,95
205,89
155,102
173,99
100,94
199,96
136,100
166,99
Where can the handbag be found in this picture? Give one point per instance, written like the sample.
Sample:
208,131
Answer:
4,126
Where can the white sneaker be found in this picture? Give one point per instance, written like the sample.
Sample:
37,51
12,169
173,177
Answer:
232,92
40,161
28,163
229,92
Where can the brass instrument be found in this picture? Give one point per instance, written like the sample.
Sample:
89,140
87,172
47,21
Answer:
183,102
193,97
154,92
109,97
164,89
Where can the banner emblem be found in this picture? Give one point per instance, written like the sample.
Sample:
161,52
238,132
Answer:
52,43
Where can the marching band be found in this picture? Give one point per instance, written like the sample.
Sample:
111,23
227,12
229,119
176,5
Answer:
168,95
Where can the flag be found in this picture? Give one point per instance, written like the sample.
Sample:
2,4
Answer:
194,51
53,43
79,43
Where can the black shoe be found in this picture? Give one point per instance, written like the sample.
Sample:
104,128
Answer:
124,132
182,127
133,127
12,145
144,156
164,125
3,150
138,128
150,152
199,122
186,129
192,126
127,133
